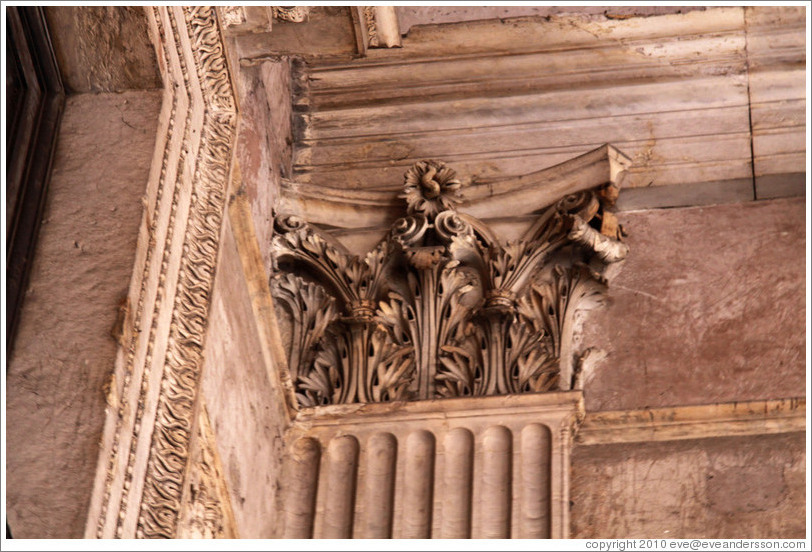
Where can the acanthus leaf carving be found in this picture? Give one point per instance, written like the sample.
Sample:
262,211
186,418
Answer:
568,292
443,308
359,363
428,313
311,310
356,281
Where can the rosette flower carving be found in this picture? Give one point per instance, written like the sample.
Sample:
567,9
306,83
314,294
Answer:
430,187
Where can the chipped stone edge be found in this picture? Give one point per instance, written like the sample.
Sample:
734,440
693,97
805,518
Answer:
694,422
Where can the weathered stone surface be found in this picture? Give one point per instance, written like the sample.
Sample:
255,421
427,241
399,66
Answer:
264,150
736,487
776,46
104,48
409,16
674,423
206,510
328,32
709,307
502,99
687,194
242,402
64,352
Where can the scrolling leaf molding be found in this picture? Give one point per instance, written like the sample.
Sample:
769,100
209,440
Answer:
441,307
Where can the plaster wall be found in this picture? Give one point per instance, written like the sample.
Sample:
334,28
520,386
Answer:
708,307
66,346
733,487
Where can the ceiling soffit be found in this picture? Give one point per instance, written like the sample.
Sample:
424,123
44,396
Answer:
507,99
501,98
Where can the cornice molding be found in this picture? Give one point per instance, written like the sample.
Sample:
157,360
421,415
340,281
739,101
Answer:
444,62
146,446
473,95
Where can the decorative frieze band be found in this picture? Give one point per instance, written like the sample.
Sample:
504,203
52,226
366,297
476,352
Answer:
169,450
146,451
441,307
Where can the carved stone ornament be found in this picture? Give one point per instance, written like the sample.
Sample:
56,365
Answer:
369,21
145,454
294,14
376,27
441,307
233,15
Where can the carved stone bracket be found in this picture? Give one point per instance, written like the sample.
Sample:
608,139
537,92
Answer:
441,307
242,19
253,19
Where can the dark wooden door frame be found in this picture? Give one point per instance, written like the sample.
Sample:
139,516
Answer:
35,101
